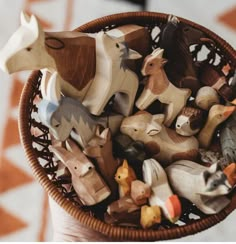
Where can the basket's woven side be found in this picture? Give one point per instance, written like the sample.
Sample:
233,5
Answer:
115,232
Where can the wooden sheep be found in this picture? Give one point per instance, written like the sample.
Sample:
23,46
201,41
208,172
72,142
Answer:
150,215
100,148
158,87
161,194
62,114
124,177
189,121
203,186
218,114
87,183
161,143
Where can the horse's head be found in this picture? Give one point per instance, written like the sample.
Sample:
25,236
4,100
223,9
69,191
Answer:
25,48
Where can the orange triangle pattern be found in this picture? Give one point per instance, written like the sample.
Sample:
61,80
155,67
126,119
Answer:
12,176
16,92
228,18
9,223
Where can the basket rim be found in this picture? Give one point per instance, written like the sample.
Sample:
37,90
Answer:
115,232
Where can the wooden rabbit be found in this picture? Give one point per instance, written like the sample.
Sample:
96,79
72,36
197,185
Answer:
159,87
100,148
161,143
87,183
189,121
203,186
124,177
150,215
217,114
161,194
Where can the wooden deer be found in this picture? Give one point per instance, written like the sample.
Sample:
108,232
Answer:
161,143
203,186
158,87
150,215
100,148
87,183
217,114
189,121
161,194
62,114
124,177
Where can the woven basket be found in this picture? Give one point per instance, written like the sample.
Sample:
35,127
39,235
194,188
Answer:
41,159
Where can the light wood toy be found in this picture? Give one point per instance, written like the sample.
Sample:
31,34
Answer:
140,192
230,172
62,171
150,215
124,177
158,87
206,97
228,139
161,194
189,121
161,143
62,114
100,148
88,184
78,58
217,114
203,186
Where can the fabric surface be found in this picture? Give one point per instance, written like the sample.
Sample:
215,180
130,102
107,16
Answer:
24,211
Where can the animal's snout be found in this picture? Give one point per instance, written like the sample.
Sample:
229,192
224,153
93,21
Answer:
178,126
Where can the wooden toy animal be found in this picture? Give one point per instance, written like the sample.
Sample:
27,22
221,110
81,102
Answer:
176,39
161,143
228,139
189,121
150,215
124,177
100,148
159,87
73,55
140,192
161,194
206,97
87,183
203,186
230,172
208,156
217,114
62,171
62,114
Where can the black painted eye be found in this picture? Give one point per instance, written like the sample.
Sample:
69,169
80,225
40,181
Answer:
135,130
75,167
28,49
117,45
151,64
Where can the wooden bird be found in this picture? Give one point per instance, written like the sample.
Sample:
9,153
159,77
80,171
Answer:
150,215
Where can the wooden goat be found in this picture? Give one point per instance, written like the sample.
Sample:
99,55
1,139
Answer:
158,87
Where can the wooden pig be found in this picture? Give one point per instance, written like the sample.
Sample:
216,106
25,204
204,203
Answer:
87,183
228,139
62,114
161,194
158,87
124,177
230,172
189,121
217,114
100,148
161,143
203,186
70,53
150,215
206,97
140,192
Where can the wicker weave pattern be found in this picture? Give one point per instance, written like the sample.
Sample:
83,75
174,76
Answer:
36,139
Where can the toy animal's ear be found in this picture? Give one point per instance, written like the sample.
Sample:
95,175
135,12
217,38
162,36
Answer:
153,128
24,18
32,23
125,164
158,118
132,54
61,153
106,134
54,89
72,146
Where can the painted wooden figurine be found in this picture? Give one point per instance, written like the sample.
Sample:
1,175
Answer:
189,121
230,172
161,143
124,177
161,194
150,215
228,139
206,97
100,148
158,87
217,114
87,183
140,192
203,186
62,114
